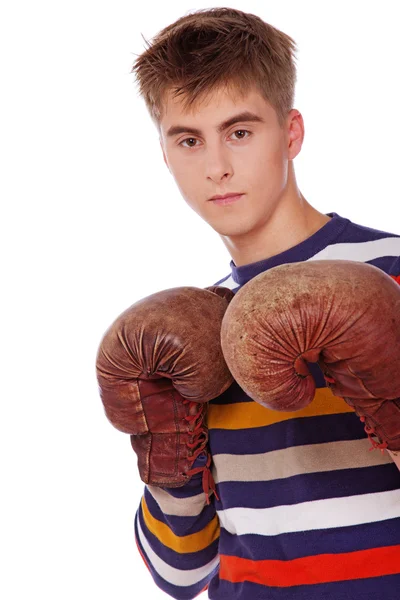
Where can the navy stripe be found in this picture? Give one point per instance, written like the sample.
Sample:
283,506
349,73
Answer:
289,546
235,394
232,395
385,263
181,525
372,588
184,562
308,487
355,233
396,268
291,433
193,487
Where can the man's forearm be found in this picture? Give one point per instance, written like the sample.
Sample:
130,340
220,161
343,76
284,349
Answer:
177,536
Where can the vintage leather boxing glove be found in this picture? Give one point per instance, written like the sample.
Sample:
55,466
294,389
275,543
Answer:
342,314
157,366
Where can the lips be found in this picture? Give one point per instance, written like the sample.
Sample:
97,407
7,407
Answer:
226,199
231,195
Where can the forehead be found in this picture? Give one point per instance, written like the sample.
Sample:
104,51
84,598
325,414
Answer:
216,106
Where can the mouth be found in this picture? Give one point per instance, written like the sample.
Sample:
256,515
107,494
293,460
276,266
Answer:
226,199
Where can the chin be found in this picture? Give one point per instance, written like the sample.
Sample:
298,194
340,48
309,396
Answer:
231,231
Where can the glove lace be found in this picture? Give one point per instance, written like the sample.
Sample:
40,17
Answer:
370,431
199,446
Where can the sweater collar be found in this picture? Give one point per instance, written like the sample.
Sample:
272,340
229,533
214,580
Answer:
303,251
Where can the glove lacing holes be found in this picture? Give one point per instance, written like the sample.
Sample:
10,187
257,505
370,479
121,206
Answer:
197,445
199,438
370,431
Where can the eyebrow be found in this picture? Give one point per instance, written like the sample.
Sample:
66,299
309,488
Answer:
243,116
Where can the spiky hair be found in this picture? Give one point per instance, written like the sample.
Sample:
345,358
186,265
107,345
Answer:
217,48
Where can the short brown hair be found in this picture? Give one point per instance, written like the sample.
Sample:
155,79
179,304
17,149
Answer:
218,47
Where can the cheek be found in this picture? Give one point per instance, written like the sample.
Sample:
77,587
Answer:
266,154
183,171
186,177
269,165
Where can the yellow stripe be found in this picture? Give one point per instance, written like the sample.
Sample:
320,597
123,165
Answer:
244,415
187,543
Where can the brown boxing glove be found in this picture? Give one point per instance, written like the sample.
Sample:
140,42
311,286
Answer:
157,366
342,314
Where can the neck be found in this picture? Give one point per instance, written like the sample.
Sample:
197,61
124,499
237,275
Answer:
292,221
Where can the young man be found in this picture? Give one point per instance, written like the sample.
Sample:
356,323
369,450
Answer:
304,510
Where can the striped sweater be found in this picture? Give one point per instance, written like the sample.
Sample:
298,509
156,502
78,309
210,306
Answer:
305,510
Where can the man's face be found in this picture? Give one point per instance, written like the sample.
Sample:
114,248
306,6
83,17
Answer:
246,157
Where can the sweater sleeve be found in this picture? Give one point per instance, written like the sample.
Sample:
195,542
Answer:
177,534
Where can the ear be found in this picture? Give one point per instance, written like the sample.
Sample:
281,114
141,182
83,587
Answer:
162,148
295,133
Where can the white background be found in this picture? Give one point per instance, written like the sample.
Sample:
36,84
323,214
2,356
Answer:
91,221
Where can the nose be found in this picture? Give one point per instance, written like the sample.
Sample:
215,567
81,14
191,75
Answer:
218,164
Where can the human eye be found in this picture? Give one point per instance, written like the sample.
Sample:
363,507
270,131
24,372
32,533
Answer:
182,143
242,131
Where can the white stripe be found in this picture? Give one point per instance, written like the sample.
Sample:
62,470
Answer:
229,283
360,251
179,507
307,516
175,576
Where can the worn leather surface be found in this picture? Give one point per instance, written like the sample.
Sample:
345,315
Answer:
157,366
344,315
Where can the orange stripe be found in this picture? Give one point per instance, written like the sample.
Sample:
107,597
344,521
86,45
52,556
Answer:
396,278
323,568
193,542
243,415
